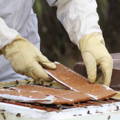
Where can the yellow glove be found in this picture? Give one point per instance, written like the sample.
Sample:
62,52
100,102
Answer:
117,96
94,53
26,59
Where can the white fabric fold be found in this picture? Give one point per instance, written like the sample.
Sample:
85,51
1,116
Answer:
7,35
79,17
51,2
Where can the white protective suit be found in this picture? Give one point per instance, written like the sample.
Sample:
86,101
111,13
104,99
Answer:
79,17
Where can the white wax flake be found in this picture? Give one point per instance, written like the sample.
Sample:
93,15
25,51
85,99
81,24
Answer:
34,91
93,96
18,98
49,99
67,99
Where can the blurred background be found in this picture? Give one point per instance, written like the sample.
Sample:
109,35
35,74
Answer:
55,43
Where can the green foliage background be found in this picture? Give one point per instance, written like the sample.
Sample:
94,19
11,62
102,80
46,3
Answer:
55,43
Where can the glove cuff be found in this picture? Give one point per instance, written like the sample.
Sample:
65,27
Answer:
10,45
90,39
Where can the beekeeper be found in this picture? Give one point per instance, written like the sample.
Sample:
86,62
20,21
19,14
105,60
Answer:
19,39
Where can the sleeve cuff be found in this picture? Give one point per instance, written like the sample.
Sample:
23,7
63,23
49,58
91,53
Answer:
79,18
7,35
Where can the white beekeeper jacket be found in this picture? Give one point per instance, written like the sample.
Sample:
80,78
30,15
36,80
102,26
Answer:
79,17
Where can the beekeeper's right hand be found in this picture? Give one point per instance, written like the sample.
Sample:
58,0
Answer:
26,59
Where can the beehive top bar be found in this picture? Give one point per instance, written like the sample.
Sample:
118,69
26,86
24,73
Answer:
80,89
76,82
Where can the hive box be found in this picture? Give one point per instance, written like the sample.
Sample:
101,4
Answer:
90,110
